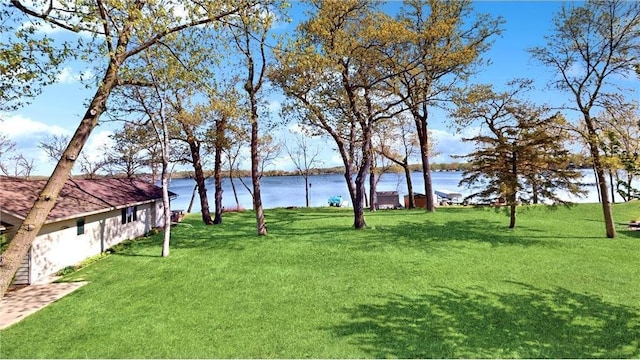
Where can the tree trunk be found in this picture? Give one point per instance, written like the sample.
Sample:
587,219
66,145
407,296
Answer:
261,225
428,184
407,175
595,174
348,176
194,148
423,136
513,194
612,187
154,173
601,179
358,205
21,242
373,199
165,175
512,221
166,209
606,205
628,190
217,177
193,197
306,188
233,188
202,192
347,156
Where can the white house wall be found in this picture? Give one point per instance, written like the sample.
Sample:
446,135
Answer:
58,245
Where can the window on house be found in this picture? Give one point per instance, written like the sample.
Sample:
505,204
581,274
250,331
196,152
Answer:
129,214
80,226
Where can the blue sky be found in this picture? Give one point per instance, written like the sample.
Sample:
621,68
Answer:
59,108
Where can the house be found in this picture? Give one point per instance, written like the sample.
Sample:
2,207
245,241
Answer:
387,200
89,217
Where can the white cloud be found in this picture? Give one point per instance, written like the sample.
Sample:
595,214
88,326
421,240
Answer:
274,107
299,129
295,128
334,160
96,145
283,162
179,10
41,27
18,126
67,76
449,144
27,134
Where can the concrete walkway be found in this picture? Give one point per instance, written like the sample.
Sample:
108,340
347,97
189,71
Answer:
18,304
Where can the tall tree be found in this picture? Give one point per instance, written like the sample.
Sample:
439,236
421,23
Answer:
119,32
380,165
304,158
192,132
269,150
155,103
334,78
622,138
593,44
249,30
54,147
518,150
398,142
223,111
132,150
152,103
233,158
12,162
23,166
194,87
442,43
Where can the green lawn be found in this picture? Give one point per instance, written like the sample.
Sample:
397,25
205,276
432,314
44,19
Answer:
456,283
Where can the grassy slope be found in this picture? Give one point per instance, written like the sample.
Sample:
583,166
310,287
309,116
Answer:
456,283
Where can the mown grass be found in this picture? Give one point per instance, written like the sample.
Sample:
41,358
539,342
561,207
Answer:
453,284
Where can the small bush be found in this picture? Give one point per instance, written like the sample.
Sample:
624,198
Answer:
152,232
66,271
120,247
4,243
86,262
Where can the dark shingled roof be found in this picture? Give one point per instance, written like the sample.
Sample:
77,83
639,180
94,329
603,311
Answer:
78,196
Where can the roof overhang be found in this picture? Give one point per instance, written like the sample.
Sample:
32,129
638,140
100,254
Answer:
80,215
101,211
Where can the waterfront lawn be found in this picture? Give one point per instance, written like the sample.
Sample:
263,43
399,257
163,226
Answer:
455,283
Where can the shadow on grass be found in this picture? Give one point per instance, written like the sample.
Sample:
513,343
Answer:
631,233
192,234
476,230
334,226
535,323
425,235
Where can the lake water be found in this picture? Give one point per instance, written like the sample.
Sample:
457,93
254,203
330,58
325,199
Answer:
283,191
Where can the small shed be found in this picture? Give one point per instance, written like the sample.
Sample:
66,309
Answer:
177,216
420,200
387,200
